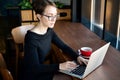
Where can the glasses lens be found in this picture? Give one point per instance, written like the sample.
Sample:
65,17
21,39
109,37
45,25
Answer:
53,17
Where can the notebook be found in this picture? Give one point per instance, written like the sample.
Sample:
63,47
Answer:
95,61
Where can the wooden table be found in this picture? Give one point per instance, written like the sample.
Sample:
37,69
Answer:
77,35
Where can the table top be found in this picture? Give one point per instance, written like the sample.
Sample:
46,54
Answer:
77,35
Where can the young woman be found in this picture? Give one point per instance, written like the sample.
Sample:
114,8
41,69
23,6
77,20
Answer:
38,44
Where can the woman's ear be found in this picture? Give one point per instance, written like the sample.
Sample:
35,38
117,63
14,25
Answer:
38,16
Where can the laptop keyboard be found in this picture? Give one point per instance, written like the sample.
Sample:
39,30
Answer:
78,70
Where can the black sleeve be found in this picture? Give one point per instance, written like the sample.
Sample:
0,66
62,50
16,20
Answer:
64,47
32,62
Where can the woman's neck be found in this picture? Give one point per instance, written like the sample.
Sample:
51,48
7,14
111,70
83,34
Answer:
40,29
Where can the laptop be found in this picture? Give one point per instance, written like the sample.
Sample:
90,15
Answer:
95,61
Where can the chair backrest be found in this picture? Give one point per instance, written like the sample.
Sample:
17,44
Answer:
18,35
19,32
5,74
2,62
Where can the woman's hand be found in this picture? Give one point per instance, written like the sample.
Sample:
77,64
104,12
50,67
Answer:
68,65
82,60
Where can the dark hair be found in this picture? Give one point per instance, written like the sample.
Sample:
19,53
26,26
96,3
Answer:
40,5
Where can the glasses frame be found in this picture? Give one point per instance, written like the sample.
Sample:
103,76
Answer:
51,17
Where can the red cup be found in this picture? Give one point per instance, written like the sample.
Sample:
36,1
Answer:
86,51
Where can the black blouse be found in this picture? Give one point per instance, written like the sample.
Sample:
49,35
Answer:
36,48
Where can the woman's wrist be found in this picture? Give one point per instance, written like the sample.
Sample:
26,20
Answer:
79,57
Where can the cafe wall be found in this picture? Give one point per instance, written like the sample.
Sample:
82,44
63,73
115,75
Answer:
112,12
86,12
109,22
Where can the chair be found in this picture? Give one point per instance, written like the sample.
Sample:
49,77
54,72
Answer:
2,62
18,34
4,72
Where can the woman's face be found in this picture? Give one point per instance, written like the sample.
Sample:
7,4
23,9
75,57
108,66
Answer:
49,16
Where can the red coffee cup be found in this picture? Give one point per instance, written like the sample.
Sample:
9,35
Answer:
86,51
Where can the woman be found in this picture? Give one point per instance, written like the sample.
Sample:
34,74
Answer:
38,44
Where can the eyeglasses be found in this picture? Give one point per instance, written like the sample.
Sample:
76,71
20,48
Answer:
51,17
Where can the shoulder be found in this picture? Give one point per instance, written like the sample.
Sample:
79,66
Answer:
51,31
30,36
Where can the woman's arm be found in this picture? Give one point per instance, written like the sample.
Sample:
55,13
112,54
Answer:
57,41
64,47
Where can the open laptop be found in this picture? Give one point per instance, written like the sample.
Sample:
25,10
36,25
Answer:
95,61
